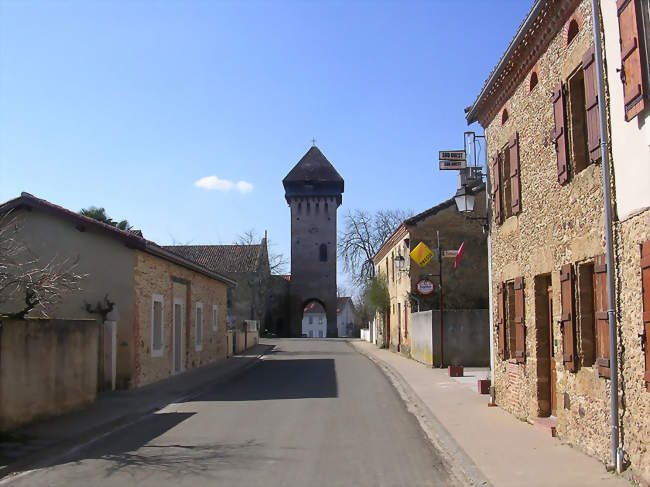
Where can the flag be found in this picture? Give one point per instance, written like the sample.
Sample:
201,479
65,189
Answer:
461,249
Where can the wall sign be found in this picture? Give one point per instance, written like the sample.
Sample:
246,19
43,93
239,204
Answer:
425,286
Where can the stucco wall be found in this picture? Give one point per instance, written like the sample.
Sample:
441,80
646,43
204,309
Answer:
157,276
421,337
47,367
108,264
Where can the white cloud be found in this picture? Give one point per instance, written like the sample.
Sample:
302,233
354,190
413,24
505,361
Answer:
213,183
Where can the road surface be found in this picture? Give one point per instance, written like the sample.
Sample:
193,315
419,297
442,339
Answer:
312,413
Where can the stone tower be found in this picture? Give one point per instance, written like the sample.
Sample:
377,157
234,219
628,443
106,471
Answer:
313,190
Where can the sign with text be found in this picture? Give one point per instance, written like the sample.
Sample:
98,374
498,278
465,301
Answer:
422,254
425,286
452,159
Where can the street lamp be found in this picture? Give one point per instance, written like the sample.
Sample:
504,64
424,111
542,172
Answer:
464,200
400,262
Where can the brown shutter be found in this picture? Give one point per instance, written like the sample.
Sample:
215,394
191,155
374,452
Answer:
602,319
501,311
515,185
560,136
496,189
645,293
591,105
520,329
631,57
568,318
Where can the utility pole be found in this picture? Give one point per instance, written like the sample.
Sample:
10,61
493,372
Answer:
440,298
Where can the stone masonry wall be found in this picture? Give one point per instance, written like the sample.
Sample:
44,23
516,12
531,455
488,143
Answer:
154,276
635,411
557,225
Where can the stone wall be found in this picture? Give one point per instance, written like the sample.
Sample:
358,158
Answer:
155,276
558,224
47,368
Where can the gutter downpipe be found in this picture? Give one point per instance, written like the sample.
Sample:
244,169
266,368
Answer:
617,453
488,225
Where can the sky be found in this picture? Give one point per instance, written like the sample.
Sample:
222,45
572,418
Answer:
184,116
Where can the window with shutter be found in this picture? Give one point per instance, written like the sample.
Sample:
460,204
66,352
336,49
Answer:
568,318
501,311
520,328
496,189
645,293
560,136
602,321
515,184
632,57
591,105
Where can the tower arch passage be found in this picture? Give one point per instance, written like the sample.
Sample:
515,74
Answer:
314,319
314,191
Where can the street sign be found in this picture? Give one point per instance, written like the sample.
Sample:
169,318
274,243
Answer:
447,165
425,286
449,254
422,254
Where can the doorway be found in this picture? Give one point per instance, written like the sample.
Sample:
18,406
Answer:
546,360
178,335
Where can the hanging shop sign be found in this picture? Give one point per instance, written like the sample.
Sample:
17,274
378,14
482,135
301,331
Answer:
425,286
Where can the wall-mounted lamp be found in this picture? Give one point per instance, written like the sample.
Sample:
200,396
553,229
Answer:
464,200
400,263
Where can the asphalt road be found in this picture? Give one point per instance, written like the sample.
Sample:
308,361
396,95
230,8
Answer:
312,413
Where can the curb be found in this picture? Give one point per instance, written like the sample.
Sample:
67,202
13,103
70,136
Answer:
460,465
52,453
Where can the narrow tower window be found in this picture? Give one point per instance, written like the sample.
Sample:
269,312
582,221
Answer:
322,252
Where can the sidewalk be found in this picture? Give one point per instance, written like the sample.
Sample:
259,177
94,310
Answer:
505,450
30,444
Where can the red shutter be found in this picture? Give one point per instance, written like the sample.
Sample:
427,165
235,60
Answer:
515,185
501,312
496,189
645,292
602,319
560,135
591,105
520,328
631,57
568,318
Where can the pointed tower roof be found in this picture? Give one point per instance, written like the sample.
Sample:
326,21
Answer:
313,167
314,175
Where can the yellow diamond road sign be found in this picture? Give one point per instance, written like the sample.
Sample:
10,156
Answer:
421,254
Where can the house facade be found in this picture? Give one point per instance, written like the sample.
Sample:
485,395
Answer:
345,316
168,313
549,271
314,321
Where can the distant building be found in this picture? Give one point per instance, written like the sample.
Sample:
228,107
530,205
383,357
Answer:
345,316
314,321
246,264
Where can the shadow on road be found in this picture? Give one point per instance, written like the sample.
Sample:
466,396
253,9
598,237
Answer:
280,379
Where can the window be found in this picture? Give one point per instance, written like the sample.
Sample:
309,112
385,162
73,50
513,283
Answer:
634,64
533,81
156,325
215,317
511,331
504,116
392,261
586,319
572,31
199,327
311,320
311,334
322,252
506,191
320,333
577,115
320,320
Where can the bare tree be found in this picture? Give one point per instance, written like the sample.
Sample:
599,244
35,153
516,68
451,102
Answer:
277,261
25,280
362,236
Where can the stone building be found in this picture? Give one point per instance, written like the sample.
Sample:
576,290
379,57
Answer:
314,191
540,111
465,287
248,265
164,314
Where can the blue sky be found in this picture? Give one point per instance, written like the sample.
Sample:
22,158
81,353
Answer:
127,104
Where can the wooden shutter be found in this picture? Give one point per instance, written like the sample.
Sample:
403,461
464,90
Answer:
501,312
560,135
645,293
515,184
602,319
496,189
591,105
568,318
632,67
520,328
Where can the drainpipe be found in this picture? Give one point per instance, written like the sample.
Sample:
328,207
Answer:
617,453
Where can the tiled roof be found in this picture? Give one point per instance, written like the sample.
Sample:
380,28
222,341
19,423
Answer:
314,307
315,167
340,303
222,258
132,239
